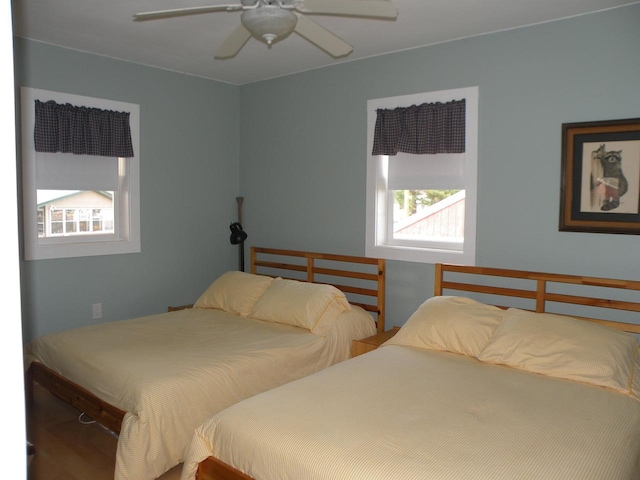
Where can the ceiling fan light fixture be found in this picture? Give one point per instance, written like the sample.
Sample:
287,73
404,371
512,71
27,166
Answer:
269,23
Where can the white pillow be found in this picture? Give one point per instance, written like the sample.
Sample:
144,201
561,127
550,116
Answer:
235,292
307,305
452,324
564,347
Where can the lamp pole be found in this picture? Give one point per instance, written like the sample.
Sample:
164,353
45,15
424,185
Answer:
239,200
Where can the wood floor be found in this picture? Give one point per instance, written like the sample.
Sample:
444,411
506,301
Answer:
66,449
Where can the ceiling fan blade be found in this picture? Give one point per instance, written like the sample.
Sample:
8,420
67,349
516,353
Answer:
322,38
234,43
179,12
355,8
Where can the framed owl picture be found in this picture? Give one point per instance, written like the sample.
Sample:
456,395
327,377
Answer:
600,178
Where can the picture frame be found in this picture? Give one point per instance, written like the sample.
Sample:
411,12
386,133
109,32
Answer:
600,177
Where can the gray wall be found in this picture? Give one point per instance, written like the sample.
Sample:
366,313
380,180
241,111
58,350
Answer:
295,148
303,145
189,180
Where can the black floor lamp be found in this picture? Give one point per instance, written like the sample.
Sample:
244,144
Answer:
238,235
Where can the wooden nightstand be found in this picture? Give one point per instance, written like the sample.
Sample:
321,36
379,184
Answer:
181,307
369,344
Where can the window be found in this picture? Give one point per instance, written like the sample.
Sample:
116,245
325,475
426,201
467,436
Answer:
78,205
422,207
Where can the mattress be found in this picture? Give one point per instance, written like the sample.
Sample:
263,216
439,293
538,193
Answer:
170,372
403,412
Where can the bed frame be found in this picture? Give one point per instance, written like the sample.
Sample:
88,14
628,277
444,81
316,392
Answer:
547,292
361,279
544,292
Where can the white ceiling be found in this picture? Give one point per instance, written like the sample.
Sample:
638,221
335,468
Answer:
187,44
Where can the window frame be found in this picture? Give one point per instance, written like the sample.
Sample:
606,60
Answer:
126,238
377,199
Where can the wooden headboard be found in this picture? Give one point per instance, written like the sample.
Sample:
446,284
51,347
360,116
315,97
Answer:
548,292
362,279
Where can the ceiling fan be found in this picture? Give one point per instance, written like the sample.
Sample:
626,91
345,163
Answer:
273,20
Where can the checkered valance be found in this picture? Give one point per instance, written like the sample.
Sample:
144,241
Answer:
82,130
429,128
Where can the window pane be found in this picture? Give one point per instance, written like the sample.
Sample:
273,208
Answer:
102,220
75,212
428,215
40,222
96,220
85,219
70,222
57,227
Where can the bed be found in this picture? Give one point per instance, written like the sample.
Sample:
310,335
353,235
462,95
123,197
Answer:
153,380
502,374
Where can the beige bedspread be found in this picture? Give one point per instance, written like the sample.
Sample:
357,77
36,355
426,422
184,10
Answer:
408,413
173,371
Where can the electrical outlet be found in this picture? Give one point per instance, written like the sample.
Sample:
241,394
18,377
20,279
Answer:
97,311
